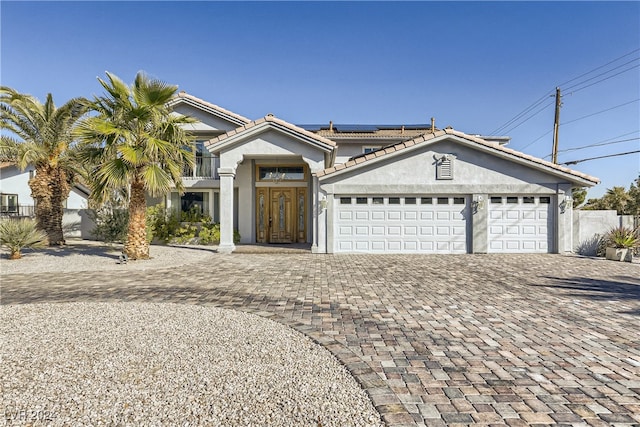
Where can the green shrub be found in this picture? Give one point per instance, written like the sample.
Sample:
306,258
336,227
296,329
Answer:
17,234
111,224
623,237
194,214
162,224
209,234
185,234
183,227
620,237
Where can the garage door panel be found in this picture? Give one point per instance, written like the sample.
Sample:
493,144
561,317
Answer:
458,231
496,245
410,246
411,216
426,246
426,216
378,215
403,225
362,231
411,231
513,229
362,215
394,215
377,230
459,246
495,214
442,246
346,245
426,231
394,230
513,214
523,226
443,216
346,215
362,246
443,231
378,245
394,245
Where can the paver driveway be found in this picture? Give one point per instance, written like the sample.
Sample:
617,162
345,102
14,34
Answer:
435,340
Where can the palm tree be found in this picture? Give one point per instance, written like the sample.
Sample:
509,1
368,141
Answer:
617,198
42,137
135,142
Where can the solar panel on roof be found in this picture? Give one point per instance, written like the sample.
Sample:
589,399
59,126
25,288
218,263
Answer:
355,128
313,128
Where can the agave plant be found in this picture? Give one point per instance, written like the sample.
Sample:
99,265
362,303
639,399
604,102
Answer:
623,237
17,234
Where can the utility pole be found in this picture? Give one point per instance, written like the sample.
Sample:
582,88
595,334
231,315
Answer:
556,128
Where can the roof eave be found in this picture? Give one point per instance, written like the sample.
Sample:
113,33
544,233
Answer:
233,137
473,142
209,108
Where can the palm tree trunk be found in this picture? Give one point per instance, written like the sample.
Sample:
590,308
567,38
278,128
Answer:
49,189
137,246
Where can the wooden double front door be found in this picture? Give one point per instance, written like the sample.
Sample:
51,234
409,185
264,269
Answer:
281,215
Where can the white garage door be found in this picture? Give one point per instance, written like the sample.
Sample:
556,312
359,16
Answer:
416,224
520,224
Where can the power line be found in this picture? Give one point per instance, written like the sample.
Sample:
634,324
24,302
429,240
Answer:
530,117
537,139
573,162
602,66
593,145
535,104
522,113
600,112
604,79
580,118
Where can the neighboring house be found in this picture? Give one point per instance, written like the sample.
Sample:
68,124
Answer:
354,188
15,193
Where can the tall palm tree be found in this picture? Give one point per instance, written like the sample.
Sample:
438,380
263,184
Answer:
41,135
135,142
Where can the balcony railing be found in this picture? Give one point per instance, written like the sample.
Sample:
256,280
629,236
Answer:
206,168
18,211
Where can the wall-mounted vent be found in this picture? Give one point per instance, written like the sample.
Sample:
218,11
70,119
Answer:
444,167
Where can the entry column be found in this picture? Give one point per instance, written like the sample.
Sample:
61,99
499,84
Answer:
226,210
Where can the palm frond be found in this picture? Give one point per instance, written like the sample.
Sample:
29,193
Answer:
157,180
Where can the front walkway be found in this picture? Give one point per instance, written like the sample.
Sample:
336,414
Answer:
435,340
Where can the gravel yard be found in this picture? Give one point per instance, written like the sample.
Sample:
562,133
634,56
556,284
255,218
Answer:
138,363
87,255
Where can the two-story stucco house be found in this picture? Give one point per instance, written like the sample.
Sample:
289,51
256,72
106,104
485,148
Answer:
393,189
15,193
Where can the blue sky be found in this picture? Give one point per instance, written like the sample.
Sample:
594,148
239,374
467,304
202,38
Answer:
471,65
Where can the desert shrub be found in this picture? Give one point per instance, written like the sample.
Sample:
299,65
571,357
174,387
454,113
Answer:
620,237
17,234
162,224
110,224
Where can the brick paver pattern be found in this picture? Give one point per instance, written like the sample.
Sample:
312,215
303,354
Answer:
435,340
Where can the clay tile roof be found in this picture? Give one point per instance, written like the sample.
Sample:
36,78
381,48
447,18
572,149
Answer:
207,105
449,131
277,123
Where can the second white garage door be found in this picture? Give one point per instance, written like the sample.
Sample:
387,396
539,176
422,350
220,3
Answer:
411,224
520,224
